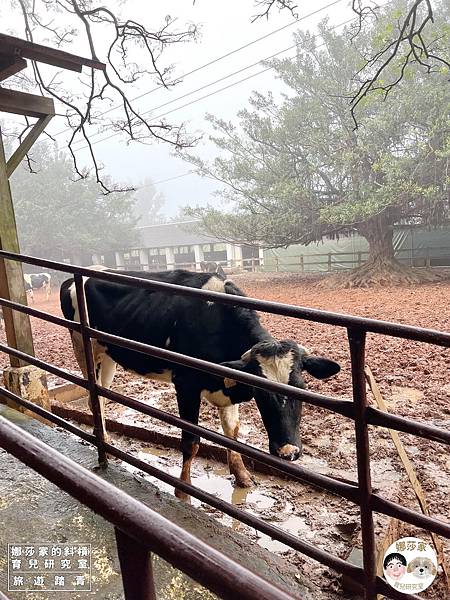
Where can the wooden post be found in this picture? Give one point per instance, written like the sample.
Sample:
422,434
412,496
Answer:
329,261
17,325
277,263
302,263
359,258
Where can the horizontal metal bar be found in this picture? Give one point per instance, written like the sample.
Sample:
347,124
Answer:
389,592
346,490
329,560
420,334
181,549
40,314
386,507
296,471
343,407
49,416
334,562
430,432
37,362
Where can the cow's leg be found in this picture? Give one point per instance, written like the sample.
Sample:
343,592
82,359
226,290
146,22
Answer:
108,370
78,349
188,398
229,417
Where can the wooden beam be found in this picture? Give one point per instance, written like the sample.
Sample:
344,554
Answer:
47,55
26,144
10,65
418,490
17,325
20,103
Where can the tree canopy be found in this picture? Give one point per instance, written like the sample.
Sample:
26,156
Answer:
58,217
298,170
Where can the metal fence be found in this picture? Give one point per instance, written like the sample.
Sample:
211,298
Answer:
226,583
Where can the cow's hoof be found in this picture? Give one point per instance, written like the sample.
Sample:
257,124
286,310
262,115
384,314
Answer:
244,480
183,496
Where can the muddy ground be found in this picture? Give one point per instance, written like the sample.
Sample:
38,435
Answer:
414,379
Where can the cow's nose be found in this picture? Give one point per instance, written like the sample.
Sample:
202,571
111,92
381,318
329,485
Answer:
289,452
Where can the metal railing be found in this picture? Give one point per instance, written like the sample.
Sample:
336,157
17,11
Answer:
357,410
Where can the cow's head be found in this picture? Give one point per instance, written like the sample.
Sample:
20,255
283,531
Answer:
282,362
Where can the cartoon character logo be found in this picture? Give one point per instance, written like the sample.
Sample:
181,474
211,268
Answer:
395,566
421,567
410,565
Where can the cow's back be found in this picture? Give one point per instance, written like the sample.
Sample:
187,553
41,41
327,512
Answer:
184,324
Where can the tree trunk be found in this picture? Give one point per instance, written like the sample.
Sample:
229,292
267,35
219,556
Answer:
379,234
381,268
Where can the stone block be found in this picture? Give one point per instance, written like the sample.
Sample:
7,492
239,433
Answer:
30,383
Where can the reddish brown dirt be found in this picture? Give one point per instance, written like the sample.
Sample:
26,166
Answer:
413,378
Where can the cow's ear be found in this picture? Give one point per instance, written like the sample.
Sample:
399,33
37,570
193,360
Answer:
239,365
319,367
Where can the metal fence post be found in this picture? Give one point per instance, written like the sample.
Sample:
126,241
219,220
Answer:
357,340
99,427
136,567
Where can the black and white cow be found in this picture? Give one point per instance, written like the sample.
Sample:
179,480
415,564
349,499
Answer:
230,335
37,281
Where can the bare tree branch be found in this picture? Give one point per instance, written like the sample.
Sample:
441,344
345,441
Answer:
267,5
407,46
128,39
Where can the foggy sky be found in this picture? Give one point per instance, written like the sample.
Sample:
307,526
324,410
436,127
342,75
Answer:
225,25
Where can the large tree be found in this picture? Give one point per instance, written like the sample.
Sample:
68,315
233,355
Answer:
299,170
60,217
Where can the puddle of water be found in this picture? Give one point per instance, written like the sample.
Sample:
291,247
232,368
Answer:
215,479
154,451
292,524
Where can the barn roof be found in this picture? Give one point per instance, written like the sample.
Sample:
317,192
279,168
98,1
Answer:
183,233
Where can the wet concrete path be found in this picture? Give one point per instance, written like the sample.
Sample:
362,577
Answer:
34,511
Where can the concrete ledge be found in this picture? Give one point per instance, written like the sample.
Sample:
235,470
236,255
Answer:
34,510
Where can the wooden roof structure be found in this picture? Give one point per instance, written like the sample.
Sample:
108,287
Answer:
14,54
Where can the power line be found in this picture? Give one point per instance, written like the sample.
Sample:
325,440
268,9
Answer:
169,179
209,85
216,60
